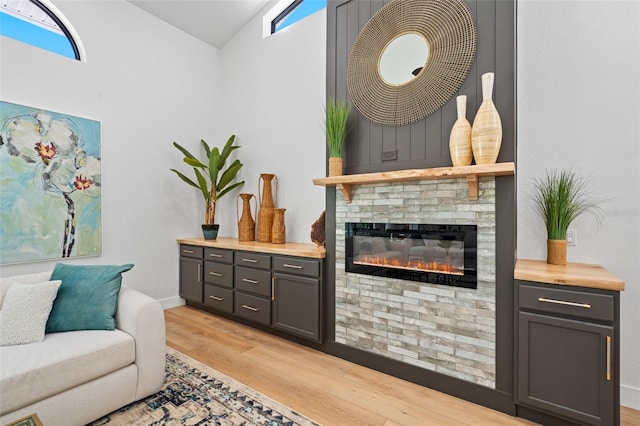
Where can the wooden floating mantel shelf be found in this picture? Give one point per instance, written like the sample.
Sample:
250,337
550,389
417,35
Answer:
472,173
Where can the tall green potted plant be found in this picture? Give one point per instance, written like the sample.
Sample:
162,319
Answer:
560,198
213,178
337,115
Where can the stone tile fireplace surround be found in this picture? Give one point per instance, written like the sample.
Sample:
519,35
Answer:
444,329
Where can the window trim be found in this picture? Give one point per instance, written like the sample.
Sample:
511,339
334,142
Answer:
63,27
275,21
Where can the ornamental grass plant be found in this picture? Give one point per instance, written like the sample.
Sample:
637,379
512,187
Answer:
561,197
337,115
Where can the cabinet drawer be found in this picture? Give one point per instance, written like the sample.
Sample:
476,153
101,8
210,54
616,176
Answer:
253,281
575,303
218,255
218,274
190,251
252,307
294,265
219,298
254,260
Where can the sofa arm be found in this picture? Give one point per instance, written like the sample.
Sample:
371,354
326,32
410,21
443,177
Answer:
143,318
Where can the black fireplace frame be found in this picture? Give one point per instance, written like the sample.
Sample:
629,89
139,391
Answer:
468,234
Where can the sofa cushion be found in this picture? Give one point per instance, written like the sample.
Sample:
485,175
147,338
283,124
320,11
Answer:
87,298
24,312
61,361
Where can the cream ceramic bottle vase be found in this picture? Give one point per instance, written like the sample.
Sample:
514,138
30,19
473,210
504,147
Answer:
486,132
267,205
460,137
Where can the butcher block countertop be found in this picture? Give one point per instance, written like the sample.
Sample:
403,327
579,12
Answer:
289,249
575,274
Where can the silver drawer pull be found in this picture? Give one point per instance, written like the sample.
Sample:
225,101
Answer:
215,274
188,251
250,308
286,265
562,302
219,299
249,260
608,358
215,255
247,280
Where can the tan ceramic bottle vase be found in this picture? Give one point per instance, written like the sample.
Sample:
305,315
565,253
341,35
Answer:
279,228
460,137
486,132
246,224
267,205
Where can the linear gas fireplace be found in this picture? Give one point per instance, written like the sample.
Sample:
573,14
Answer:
438,254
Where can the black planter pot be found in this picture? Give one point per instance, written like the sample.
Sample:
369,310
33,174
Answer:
210,232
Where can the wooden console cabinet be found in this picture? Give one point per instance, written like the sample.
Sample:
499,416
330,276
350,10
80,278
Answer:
567,342
274,285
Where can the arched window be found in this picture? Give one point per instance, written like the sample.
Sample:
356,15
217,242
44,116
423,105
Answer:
39,23
287,12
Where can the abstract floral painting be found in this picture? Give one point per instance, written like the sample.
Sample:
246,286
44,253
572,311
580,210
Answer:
50,180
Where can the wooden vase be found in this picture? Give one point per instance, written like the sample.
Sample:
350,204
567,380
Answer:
246,224
460,137
267,205
557,252
486,132
335,166
279,229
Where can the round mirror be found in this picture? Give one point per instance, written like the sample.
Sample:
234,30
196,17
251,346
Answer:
403,59
410,59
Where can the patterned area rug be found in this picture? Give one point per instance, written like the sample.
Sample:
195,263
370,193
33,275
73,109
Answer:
195,394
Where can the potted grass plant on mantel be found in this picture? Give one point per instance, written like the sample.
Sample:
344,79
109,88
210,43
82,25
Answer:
212,179
560,198
336,117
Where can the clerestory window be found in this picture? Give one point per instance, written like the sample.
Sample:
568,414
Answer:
288,12
39,23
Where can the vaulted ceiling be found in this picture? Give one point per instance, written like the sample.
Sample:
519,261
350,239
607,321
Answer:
213,21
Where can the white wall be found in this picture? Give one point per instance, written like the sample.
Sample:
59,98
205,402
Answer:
273,97
148,84
579,107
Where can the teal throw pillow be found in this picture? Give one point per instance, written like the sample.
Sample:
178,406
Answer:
87,298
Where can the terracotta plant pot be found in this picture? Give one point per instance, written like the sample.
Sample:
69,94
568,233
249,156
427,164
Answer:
557,252
335,166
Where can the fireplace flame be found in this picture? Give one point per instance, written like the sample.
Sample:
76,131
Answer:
411,265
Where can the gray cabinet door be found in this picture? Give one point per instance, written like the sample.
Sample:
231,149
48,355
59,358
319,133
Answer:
296,305
566,367
191,279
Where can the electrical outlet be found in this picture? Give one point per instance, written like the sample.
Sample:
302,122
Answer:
572,237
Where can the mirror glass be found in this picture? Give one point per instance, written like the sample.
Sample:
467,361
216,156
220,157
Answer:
403,58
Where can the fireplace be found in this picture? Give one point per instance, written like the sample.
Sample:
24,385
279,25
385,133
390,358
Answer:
431,253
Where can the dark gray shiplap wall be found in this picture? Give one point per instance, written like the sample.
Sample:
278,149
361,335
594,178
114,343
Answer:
424,144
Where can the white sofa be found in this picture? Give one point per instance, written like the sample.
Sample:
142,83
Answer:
75,377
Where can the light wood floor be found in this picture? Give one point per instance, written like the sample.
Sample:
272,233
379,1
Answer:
327,389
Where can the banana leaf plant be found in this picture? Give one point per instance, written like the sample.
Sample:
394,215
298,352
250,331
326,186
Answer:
212,178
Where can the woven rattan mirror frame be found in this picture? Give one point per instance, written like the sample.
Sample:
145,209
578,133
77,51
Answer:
450,31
